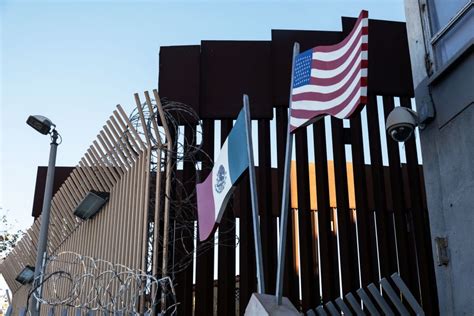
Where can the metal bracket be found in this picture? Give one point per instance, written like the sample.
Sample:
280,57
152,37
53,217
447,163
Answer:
442,250
424,103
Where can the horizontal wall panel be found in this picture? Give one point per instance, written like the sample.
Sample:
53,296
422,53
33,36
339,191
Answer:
60,175
179,74
228,70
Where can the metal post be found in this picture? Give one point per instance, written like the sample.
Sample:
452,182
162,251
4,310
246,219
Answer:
43,237
166,219
254,197
156,228
285,194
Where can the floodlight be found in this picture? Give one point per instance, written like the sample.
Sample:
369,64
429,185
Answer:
26,275
91,204
40,123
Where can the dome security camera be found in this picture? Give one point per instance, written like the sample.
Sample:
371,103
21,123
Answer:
401,123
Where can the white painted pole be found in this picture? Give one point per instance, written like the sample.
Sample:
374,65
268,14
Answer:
254,197
285,193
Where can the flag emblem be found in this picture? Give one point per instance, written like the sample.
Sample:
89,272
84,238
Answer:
331,80
220,179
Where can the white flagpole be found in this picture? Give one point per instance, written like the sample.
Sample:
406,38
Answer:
286,187
254,197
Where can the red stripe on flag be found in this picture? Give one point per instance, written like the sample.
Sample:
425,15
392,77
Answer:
307,114
333,64
330,48
333,80
325,97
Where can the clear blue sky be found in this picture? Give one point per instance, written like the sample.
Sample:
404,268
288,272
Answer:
73,61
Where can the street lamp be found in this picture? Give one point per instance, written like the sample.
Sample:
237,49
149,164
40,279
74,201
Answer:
44,126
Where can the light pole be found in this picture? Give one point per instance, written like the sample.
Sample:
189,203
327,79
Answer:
44,126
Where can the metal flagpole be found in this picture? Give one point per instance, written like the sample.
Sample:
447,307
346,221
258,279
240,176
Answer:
253,193
286,186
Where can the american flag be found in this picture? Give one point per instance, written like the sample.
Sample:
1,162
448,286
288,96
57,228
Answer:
331,80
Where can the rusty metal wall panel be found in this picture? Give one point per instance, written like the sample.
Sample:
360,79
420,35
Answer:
60,175
268,223
329,266
345,223
309,272
365,218
407,270
248,273
229,69
386,247
179,74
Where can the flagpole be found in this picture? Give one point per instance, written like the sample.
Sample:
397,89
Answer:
254,197
286,187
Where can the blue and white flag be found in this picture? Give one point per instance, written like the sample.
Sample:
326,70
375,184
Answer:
214,193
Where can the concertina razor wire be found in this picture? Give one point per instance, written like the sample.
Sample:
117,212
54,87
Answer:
81,282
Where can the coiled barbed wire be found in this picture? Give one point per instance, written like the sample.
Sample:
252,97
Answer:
81,282
186,152
73,280
186,130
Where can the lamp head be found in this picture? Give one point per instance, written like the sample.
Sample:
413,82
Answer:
91,204
40,123
26,275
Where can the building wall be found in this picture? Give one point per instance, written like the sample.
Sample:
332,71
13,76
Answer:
448,151
449,180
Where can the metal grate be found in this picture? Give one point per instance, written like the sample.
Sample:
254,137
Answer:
374,300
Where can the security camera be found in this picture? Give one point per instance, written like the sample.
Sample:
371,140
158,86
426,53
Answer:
40,123
401,123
